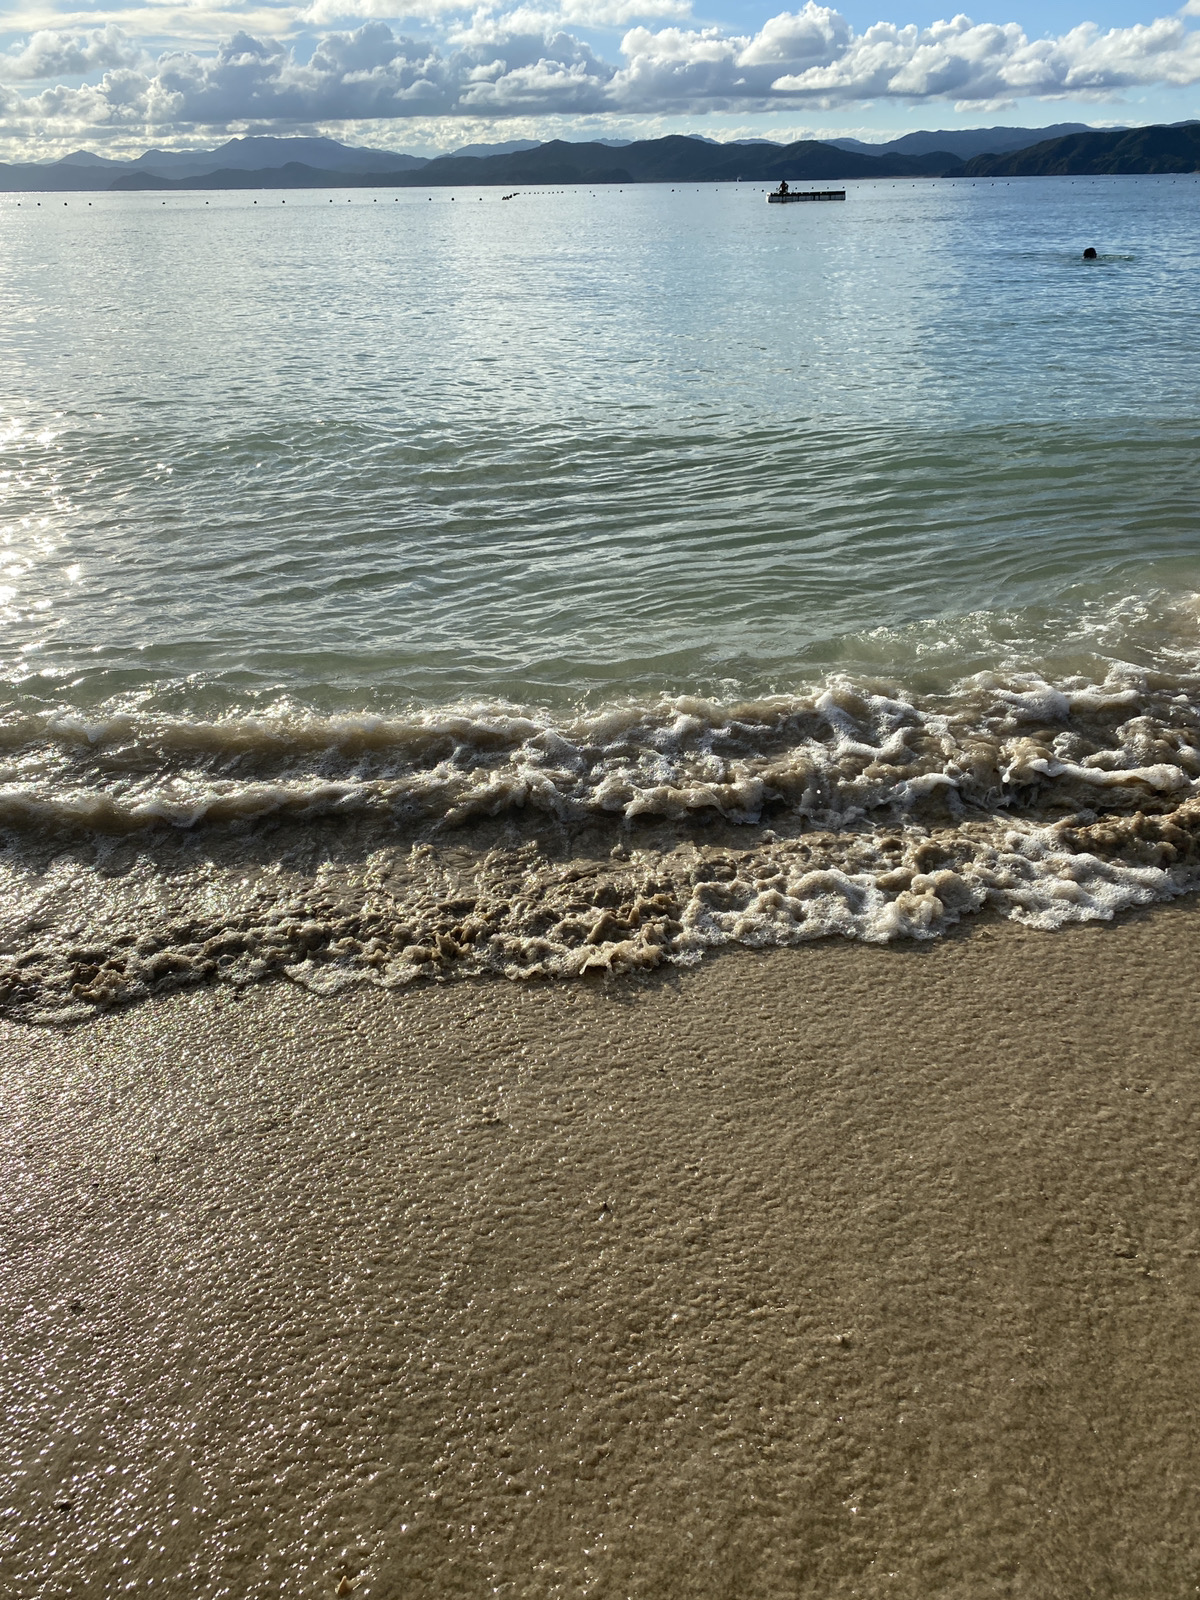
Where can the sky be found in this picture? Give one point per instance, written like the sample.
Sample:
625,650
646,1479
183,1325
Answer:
179,74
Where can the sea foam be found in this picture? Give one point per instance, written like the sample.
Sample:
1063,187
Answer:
146,853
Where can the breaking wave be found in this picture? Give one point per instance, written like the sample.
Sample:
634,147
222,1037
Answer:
145,852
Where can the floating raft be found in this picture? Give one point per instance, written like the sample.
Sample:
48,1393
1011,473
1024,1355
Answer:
776,199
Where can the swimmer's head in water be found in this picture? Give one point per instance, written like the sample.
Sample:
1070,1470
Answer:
1089,254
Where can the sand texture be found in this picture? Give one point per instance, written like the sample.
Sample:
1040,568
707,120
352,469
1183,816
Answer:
822,1272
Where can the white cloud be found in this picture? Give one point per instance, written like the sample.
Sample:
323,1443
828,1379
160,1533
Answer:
545,18
975,65
49,54
678,67
815,34
526,62
195,25
618,13
369,73
991,64
320,12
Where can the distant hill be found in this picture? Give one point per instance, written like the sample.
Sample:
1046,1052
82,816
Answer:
511,148
260,152
81,171
56,177
85,158
963,142
294,175
675,159
266,162
1130,151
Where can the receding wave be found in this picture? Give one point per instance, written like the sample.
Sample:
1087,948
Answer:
147,852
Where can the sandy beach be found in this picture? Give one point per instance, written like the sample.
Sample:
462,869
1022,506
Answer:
821,1272
599,807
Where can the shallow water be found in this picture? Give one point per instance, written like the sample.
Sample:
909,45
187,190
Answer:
341,529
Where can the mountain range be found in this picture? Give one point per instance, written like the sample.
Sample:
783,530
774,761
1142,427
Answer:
1124,150
268,162
963,142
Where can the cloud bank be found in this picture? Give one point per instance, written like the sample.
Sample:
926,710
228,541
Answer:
530,62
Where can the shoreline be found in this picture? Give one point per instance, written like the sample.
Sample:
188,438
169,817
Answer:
820,1271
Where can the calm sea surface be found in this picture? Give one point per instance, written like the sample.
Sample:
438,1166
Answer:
362,452
395,586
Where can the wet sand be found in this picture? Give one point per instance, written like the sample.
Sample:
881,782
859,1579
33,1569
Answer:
824,1272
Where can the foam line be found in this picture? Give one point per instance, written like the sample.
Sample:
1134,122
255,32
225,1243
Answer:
144,854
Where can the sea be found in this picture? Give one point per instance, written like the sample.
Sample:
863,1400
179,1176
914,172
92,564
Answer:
434,584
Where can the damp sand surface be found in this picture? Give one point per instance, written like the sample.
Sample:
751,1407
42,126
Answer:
819,1272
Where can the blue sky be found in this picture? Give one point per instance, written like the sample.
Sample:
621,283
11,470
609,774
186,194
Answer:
188,73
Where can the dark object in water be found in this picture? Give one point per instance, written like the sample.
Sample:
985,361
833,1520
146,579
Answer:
776,198
1089,254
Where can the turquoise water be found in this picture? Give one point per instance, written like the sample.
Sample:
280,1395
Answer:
367,559
363,453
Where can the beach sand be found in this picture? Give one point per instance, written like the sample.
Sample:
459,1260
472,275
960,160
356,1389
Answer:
821,1272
